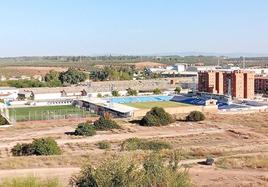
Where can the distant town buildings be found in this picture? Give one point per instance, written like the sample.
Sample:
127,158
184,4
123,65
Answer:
238,83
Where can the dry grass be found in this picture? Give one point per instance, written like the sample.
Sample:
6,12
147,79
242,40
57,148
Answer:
241,162
29,70
257,121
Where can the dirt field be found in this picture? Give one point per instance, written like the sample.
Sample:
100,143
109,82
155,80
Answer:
28,70
240,139
142,65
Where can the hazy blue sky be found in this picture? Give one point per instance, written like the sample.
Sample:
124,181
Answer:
86,27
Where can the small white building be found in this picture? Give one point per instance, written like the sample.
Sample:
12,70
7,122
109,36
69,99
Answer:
9,93
57,93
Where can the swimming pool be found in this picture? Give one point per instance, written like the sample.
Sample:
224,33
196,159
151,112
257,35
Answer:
138,99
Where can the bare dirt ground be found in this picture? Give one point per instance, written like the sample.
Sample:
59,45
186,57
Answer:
29,70
220,135
146,64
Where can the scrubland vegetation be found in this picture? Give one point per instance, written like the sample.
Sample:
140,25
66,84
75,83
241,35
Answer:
123,172
156,117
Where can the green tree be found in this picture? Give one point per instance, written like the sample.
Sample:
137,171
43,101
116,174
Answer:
115,93
157,91
72,76
52,79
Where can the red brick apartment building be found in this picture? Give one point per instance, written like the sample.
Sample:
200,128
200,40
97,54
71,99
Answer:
261,85
239,84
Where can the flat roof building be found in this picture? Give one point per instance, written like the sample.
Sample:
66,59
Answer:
261,85
238,84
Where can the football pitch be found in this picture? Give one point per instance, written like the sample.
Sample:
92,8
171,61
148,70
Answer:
163,104
46,113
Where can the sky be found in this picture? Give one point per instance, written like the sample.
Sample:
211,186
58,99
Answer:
132,27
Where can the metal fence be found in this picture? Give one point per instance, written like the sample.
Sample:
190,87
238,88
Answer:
74,113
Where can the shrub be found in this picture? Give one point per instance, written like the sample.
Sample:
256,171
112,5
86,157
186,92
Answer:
29,182
136,143
46,146
157,91
3,120
42,146
115,93
132,92
104,145
157,116
177,90
195,116
99,95
121,172
85,129
23,150
105,123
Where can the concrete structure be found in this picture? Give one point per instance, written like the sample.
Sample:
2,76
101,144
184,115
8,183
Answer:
41,94
261,85
8,93
238,84
177,68
101,106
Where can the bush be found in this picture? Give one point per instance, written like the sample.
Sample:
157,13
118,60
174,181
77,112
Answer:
157,91
177,90
85,129
104,145
46,146
23,150
29,182
42,146
136,143
3,120
105,123
195,116
115,93
157,116
132,92
121,172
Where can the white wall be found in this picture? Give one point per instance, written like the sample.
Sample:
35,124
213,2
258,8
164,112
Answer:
45,96
12,94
